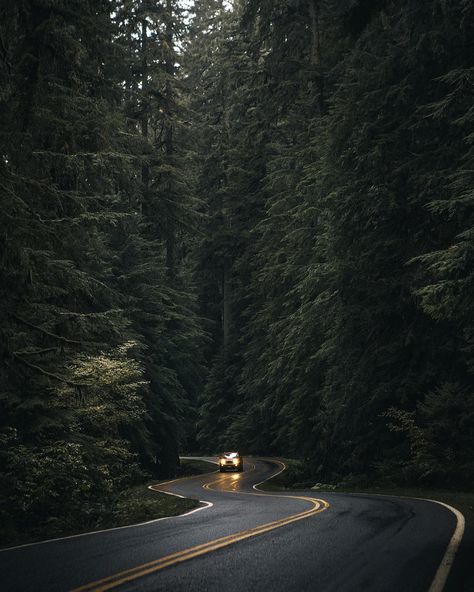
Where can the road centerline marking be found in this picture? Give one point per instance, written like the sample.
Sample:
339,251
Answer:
139,571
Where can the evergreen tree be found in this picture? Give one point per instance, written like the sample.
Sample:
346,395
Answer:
154,264
357,234
61,317
249,225
100,338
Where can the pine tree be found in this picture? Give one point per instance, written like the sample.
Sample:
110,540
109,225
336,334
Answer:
70,382
153,269
359,109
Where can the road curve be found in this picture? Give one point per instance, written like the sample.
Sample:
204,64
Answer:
243,539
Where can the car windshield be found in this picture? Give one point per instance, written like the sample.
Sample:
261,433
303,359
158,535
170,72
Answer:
230,454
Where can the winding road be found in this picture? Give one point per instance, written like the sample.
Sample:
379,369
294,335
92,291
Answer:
243,539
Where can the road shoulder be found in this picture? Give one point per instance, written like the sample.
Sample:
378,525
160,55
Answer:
134,506
461,574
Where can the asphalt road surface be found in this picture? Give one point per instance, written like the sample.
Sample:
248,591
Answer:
243,539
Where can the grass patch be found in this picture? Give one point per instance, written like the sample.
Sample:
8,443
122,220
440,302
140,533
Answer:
140,504
295,476
132,506
193,466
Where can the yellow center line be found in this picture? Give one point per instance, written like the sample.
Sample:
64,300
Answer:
122,577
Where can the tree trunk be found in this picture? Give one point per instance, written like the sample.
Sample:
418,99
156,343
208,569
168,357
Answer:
315,54
226,308
168,136
144,117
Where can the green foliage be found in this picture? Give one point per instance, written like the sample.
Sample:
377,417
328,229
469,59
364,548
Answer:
440,435
99,337
352,273
265,211
63,486
140,504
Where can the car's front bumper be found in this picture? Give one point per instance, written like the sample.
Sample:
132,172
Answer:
230,467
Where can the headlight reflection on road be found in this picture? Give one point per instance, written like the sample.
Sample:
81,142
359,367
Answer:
234,482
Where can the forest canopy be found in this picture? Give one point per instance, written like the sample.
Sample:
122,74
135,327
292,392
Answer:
243,224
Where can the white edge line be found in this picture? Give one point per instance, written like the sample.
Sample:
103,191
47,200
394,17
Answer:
444,568
271,476
92,532
442,573
437,584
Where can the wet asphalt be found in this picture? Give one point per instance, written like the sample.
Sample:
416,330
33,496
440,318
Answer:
360,543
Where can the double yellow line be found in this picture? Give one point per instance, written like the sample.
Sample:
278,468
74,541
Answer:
139,571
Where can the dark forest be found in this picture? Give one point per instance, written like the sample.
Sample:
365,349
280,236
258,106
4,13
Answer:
240,225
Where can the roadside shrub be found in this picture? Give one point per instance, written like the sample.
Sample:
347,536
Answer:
62,487
440,434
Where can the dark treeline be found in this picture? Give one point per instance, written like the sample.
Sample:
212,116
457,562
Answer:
337,167
258,219
100,340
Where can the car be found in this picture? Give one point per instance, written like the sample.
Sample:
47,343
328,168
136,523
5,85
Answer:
231,461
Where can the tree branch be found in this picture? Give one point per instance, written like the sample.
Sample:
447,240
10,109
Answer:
50,374
53,335
35,352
